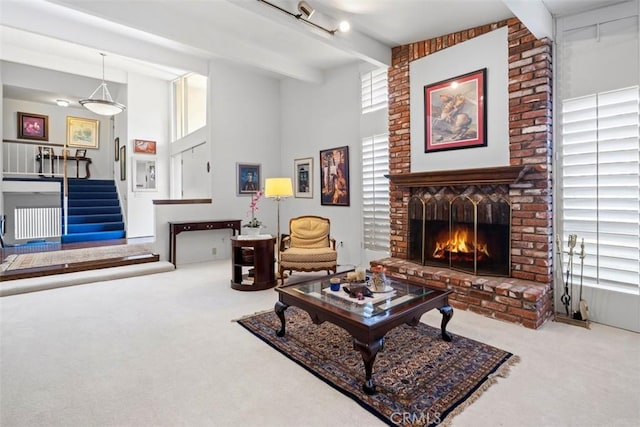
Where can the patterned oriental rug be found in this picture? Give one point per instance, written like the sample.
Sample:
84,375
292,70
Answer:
421,380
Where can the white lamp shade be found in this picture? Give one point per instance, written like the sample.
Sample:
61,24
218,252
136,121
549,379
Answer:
102,107
278,187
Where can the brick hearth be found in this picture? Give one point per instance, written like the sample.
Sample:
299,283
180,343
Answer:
514,300
526,297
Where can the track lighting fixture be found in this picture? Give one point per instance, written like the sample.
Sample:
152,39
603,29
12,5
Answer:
305,12
305,9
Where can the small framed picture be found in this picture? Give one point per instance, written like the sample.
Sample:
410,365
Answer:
248,178
144,147
33,126
123,163
82,132
144,175
303,173
116,144
81,154
334,176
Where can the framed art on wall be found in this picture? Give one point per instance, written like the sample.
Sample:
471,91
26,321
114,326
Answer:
303,174
123,163
456,113
248,178
116,144
142,146
33,126
82,132
144,175
334,176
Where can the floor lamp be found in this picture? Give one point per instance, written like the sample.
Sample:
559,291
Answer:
278,188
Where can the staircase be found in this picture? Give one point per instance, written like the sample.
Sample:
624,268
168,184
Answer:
93,211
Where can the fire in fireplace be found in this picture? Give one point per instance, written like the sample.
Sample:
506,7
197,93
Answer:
460,245
461,233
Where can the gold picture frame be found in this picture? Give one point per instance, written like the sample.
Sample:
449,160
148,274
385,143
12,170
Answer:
82,133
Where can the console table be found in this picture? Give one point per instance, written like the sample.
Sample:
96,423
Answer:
176,228
261,260
40,158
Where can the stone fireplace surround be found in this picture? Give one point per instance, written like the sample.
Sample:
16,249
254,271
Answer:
527,296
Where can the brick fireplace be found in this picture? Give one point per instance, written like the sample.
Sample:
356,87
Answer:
525,294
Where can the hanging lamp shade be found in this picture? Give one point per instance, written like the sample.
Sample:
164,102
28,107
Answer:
100,101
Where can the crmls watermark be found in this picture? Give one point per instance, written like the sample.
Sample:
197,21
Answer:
415,418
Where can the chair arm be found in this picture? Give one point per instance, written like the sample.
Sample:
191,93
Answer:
285,242
332,243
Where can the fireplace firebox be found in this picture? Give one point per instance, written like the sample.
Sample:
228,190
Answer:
465,233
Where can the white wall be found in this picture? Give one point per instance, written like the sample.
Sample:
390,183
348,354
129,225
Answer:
319,117
487,51
245,128
148,118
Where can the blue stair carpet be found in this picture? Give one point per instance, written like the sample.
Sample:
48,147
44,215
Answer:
93,211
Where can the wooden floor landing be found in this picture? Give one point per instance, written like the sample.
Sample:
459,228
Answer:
76,266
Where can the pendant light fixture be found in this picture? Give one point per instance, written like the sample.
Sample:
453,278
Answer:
104,105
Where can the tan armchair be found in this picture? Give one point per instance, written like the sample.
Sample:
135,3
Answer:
308,247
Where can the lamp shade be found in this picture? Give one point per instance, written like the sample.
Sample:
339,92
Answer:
278,187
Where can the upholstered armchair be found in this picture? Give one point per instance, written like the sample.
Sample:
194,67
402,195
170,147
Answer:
309,246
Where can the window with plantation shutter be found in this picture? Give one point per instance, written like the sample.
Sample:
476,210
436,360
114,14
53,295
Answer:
375,192
374,90
600,168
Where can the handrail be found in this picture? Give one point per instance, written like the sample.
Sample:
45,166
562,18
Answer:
65,195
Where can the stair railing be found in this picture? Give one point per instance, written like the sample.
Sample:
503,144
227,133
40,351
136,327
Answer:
65,191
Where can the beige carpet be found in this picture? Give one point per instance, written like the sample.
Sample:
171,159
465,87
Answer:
44,259
161,351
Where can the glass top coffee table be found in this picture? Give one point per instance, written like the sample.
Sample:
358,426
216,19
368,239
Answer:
367,319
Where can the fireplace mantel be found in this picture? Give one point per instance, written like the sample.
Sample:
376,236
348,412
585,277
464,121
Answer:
494,175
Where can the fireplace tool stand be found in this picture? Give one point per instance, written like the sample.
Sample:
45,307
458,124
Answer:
578,317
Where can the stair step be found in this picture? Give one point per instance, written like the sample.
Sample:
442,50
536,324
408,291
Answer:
92,188
92,228
81,203
95,210
73,181
89,237
91,219
92,195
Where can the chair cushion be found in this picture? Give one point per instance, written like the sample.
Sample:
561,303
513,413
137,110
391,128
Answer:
309,232
301,255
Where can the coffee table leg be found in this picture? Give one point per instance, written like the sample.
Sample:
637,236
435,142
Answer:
368,352
280,308
447,314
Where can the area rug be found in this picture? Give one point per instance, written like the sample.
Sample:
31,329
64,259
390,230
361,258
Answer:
70,256
421,380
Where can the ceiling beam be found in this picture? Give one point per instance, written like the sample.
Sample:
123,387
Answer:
202,37
61,23
534,15
352,42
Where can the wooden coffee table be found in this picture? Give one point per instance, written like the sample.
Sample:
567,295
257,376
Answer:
367,321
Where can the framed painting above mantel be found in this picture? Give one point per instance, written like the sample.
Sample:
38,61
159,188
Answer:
456,112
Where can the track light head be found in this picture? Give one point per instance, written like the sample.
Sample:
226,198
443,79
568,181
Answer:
306,9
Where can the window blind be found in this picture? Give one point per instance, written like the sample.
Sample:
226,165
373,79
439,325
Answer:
374,90
375,192
600,167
